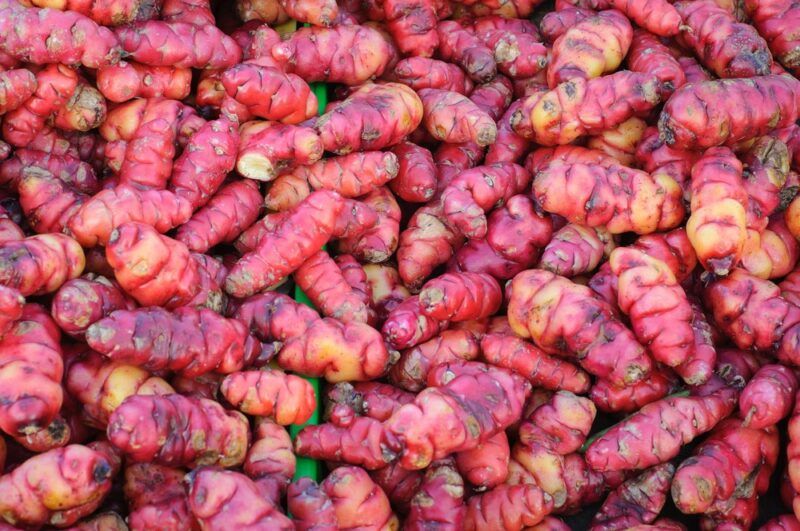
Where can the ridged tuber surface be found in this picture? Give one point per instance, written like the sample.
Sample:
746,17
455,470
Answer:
631,398
767,397
575,250
47,202
729,48
412,369
514,507
636,502
125,81
40,264
460,297
406,326
650,295
733,462
486,465
142,427
475,191
273,316
343,54
16,86
205,162
417,176
361,441
458,45
590,48
228,213
391,110
774,102
97,218
156,497
377,243
579,107
439,502
620,142
774,20
269,149
57,487
352,175
80,302
441,420
219,499
517,230
648,54
84,110
656,433
152,268
321,279
358,502
178,44
453,118
543,306
43,36
555,23
304,230
268,92
283,397
623,199
508,351
423,72
270,458
412,24
336,351
311,508
188,340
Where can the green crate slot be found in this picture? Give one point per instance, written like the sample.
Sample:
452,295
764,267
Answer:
307,467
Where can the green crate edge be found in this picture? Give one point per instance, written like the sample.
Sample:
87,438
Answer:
307,467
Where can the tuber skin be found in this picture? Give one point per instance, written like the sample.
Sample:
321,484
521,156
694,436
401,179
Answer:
407,326
68,169
516,506
81,41
517,230
273,316
555,23
360,441
417,175
460,297
412,369
728,48
590,48
378,242
457,45
352,175
620,143
767,397
299,235
412,24
100,385
40,264
77,479
575,250
508,351
678,420
140,427
325,284
775,101
648,204
648,54
629,399
171,278
156,497
391,109
773,20
509,146
16,86
96,219
427,433
314,12
221,498
348,54
82,301
311,508
228,213
453,118
270,460
267,92
188,340
125,81
358,502
732,462
486,465
532,313
422,72
47,202
285,398
427,241
336,351
648,292
439,502
269,149
579,107
636,502
205,162
178,44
